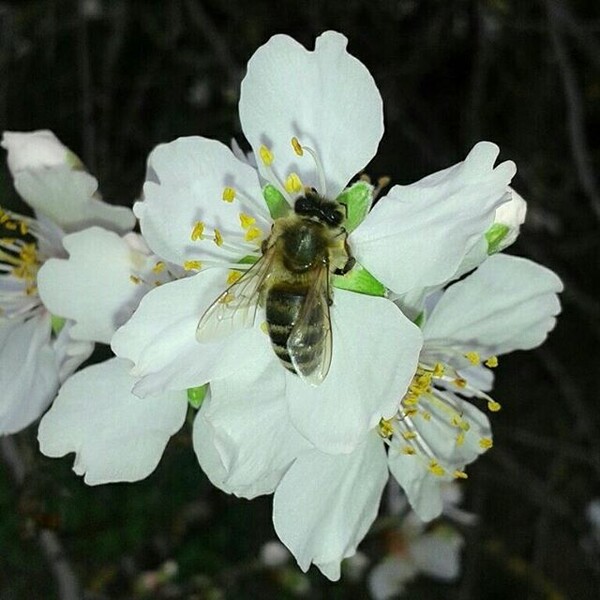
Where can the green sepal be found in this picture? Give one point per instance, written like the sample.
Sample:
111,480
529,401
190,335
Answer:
359,280
196,395
249,259
73,161
57,324
358,199
276,203
494,236
420,320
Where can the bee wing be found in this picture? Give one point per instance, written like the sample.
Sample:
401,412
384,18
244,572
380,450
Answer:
302,335
237,306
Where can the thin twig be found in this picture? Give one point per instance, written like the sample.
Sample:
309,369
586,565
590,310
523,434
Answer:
575,116
64,575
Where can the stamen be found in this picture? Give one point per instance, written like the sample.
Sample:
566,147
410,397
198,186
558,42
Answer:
494,406
246,220
252,234
436,468
491,362
197,231
266,156
485,443
233,277
293,184
460,475
135,279
473,358
218,239
192,265
320,172
228,194
159,267
386,428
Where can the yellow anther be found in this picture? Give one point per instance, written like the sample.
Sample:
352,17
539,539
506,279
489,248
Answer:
192,265
233,277
465,426
364,177
486,443
438,370
252,234
23,228
266,156
411,400
246,220
460,475
435,468
135,279
473,358
410,412
297,146
292,184
218,239
494,406
460,438
456,421
459,382
386,428
491,362
197,231
408,450
159,267
409,435
228,194
426,415
383,181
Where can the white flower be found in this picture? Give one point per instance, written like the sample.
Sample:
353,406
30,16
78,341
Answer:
325,503
203,207
38,350
413,550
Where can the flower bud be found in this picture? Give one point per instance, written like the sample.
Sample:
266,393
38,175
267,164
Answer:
507,223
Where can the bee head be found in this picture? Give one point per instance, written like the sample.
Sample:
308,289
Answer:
328,212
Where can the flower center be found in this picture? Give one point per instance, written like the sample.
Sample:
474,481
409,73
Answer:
432,399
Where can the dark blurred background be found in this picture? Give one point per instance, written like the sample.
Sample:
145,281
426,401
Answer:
114,78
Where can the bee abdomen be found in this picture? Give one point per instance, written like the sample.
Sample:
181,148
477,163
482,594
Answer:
283,306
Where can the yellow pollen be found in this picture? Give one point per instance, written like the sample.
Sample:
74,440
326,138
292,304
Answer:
438,370
436,468
246,221
252,234
485,443
218,239
491,362
228,194
192,265
426,415
233,277
460,438
292,184
410,412
135,279
409,435
459,382
159,267
297,146
494,406
386,429
456,421
266,156
197,231
408,450
473,358
460,475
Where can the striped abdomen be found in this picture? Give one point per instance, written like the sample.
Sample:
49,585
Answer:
283,306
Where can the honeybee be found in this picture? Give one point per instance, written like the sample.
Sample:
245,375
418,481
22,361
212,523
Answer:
291,280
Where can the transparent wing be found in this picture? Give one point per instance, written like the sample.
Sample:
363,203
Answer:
312,332
237,306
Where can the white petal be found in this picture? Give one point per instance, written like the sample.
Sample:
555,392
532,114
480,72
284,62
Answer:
160,337
508,304
375,353
418,234
326,503
115,435
94,286
251,430
67,198
421,487
70,352
192,173
389,578
326,98
33,150
28,372
437,554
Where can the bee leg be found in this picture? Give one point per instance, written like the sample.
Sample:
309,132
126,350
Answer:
347,267
263,246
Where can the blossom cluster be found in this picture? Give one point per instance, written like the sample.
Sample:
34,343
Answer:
416,323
